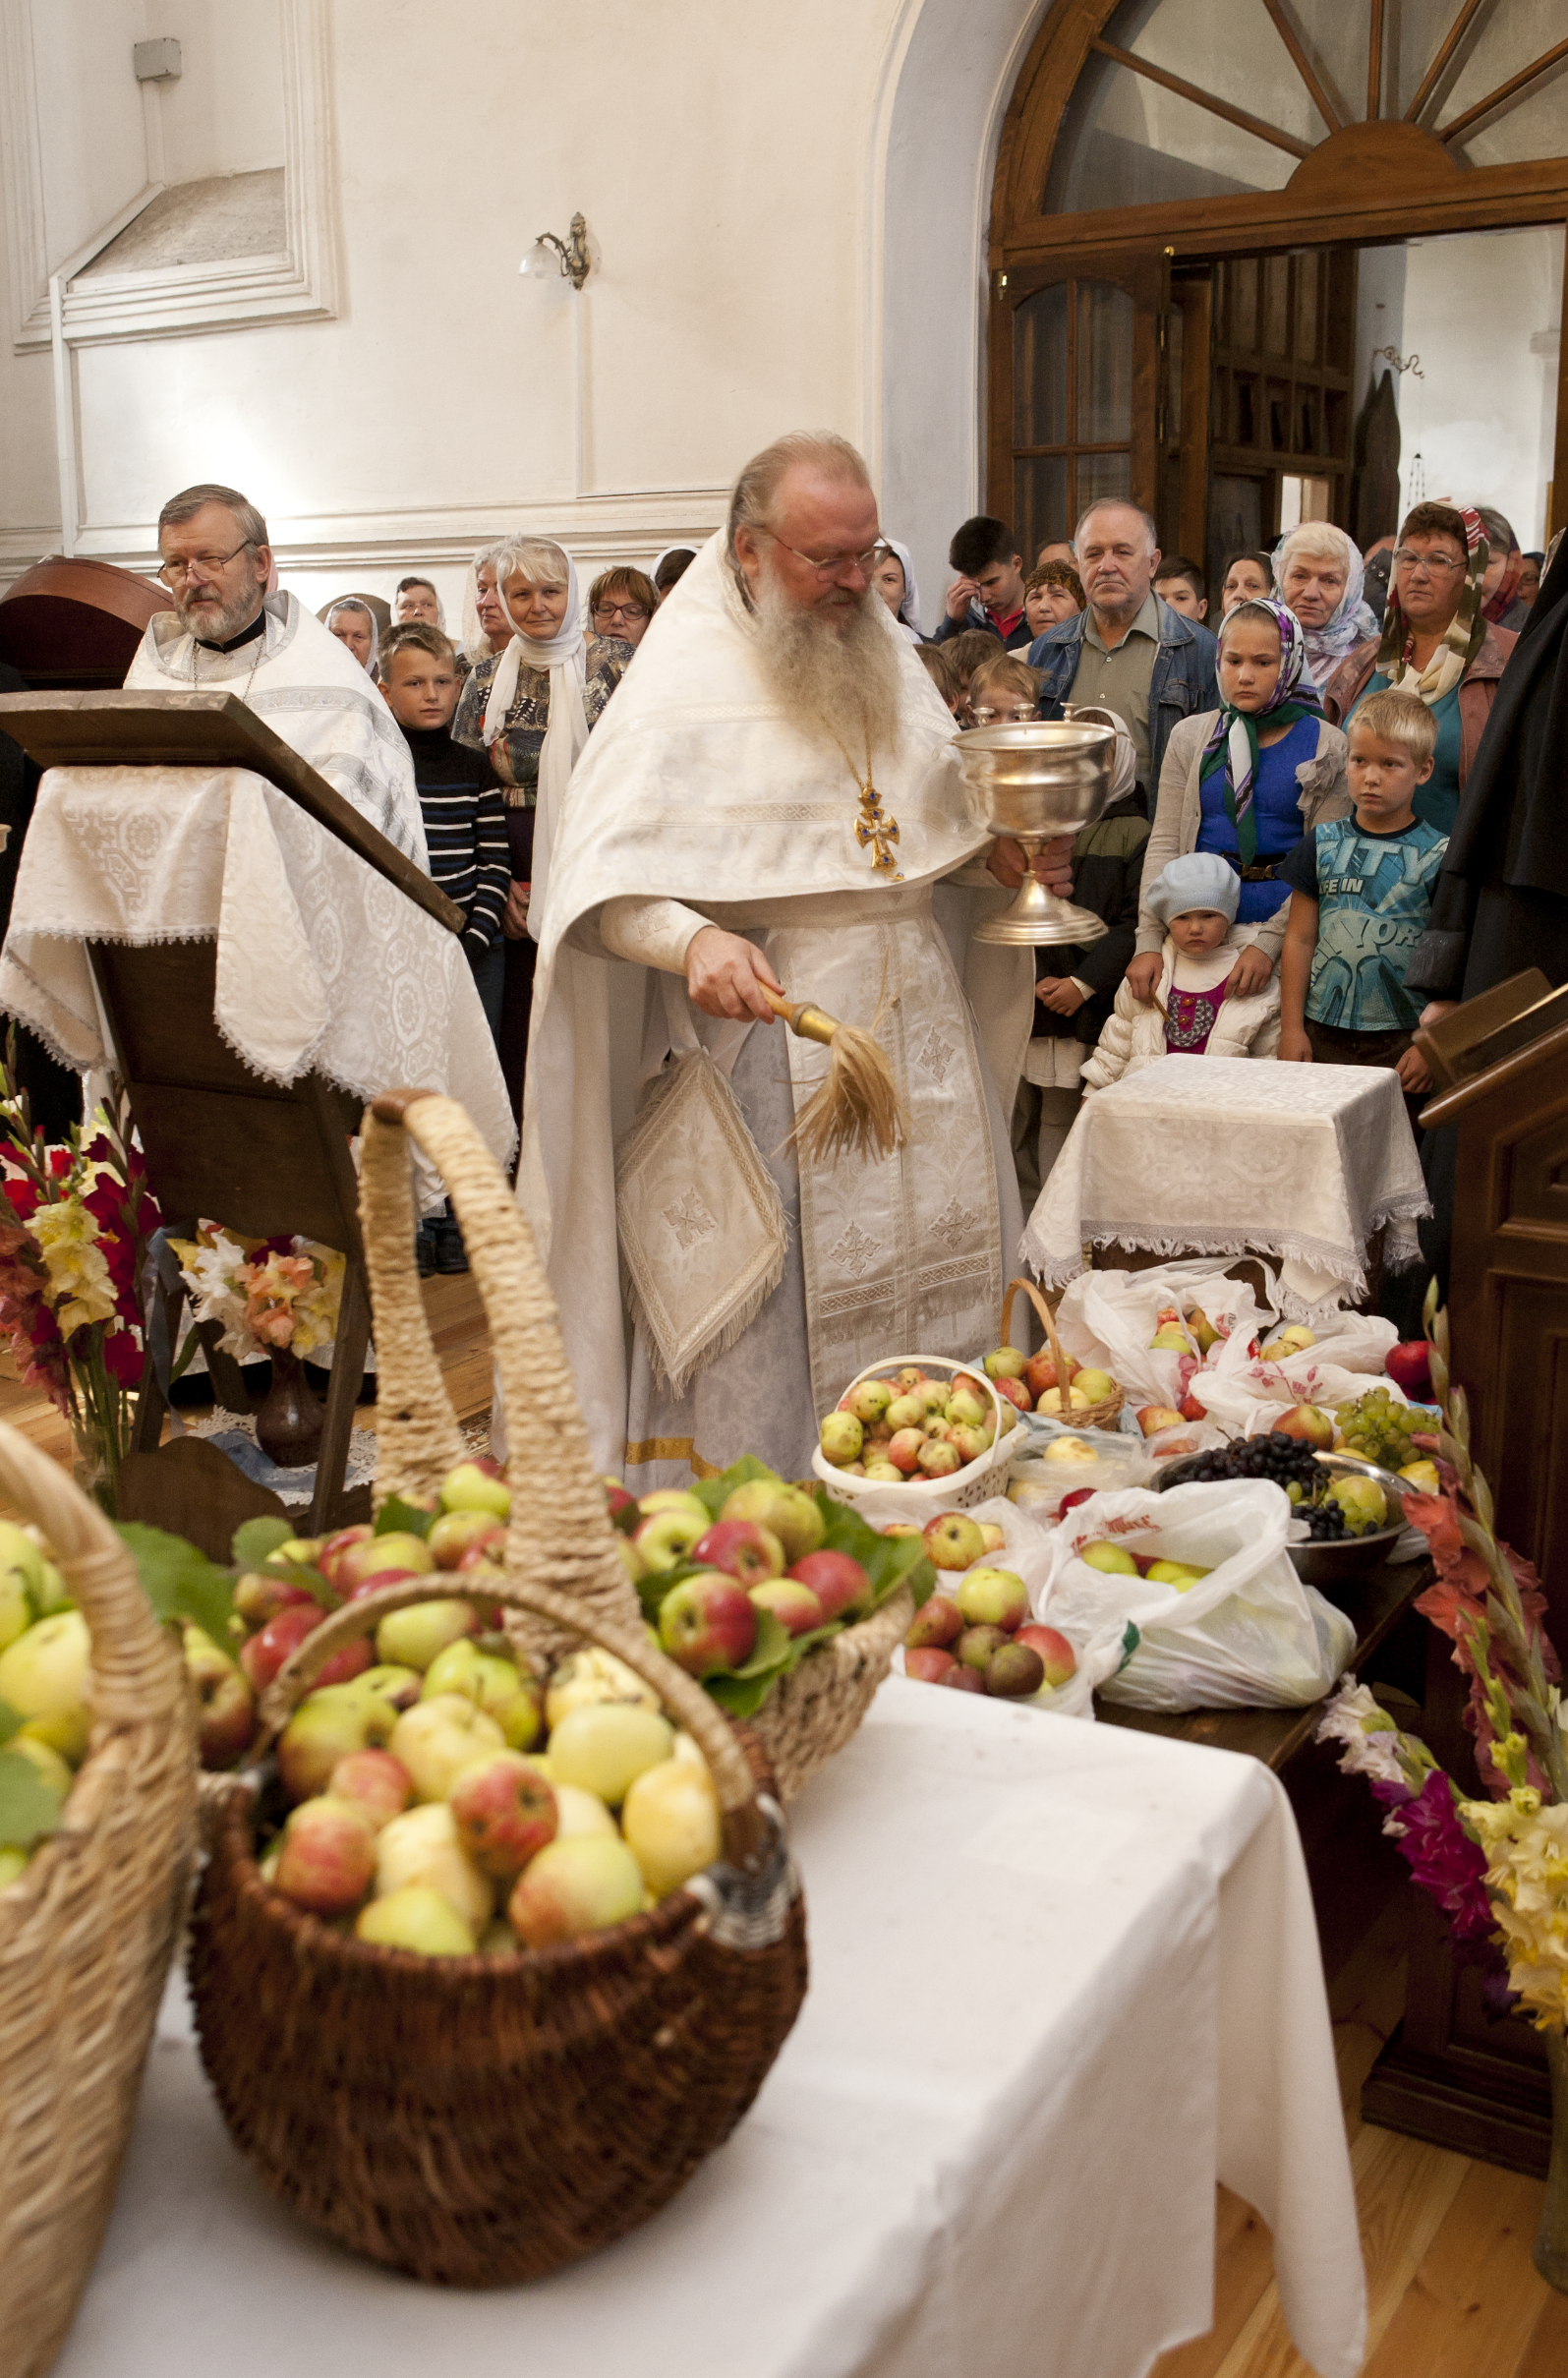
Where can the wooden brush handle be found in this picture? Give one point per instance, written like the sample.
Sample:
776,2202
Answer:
806,1021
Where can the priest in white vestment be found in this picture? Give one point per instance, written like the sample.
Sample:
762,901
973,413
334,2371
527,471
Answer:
226,634
771,800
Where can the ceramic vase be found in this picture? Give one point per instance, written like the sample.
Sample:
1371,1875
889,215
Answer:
288,1427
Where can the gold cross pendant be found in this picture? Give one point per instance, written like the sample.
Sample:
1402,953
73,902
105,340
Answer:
874,826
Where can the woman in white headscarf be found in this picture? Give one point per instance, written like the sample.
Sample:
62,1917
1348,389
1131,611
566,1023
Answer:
894,580
486,623
530,704
1319,574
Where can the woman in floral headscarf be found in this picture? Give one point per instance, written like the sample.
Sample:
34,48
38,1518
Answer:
1437,644
1319,573
1245,781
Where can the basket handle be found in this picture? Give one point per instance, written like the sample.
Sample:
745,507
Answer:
746,1831
942,1362
137,1670
1042,1306
559,1530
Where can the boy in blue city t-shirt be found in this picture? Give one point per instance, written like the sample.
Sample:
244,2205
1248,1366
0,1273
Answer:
1361,894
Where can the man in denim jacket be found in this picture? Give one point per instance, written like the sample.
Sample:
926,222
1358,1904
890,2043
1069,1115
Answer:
1128,650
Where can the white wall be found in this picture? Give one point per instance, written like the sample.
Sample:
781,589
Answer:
225,112
787,217
1482,416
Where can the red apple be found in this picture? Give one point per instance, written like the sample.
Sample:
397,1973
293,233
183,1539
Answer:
327,1858
343,1666
1057,1655
793,1606
1306,1422
621,1504
265,1654
1152,1418
505,1810
1017,1671
1015,1392
225,1700
838,1581
1189,1409
1070,1503
708,1624
1410,1367
1040,1370
374,1781
258,1596
928,1664
962,1679
334,1546
993,1598
940,1458
743,1548
937,1623
977,1646
380,1578
457,1534
904,1449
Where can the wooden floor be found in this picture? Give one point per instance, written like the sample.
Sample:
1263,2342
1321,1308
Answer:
1452,2292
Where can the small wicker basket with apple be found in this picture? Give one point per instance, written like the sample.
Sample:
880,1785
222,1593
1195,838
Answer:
874,1436
472,2097
1051,1377
90,1923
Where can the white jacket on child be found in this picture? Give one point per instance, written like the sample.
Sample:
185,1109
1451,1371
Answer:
1135,1034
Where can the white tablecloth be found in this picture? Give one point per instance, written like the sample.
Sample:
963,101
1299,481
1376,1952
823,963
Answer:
1238,1155
1062,1977
322,963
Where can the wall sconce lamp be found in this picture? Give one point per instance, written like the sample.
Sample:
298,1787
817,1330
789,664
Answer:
573,255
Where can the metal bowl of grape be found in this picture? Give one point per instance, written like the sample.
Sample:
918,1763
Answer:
1335,1552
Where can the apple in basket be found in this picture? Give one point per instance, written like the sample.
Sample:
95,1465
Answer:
330,1725
839,1584
505,1811
938,1624
743,1548
1043,1374
582,1885
225,1698
476,1485
792,1603
708,1624
787,1511
374,1781
671,1822
493,1684
327,1857
457,1538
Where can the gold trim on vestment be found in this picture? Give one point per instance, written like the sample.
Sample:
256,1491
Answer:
670,1449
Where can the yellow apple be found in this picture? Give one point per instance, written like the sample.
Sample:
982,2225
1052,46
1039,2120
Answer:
423,1847
1095,1385
1078,1401
672,1824
418,1919
1069,1449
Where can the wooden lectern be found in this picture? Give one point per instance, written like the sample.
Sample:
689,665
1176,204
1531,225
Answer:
1453,2072
221,1143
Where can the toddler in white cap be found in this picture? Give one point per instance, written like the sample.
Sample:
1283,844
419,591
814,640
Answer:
1192,1012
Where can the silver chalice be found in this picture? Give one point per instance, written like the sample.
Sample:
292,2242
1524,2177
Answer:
1036,782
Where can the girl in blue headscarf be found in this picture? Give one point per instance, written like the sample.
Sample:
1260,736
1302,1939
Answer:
1244,781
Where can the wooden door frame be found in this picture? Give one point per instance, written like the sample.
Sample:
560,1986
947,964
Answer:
1365,185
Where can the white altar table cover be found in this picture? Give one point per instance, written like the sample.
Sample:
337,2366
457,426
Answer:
322,963
1238,1155
1062,1978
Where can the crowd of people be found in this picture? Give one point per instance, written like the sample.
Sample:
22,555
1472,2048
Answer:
1289,757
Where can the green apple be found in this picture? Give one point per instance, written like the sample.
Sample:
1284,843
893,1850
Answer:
425,1846
437,1739
842,1437
67,1731
672,1498
1095,1386
1112,1558
470,1488
1004,1362
493,1684
330,1725
789,1512
577,1811
52,1594
668,1537
1172,1338
418,1919
12,1862
45,1670
1362,1502
574,1886
993,1598
593,1674
1177,1572
605,1748
411,1639
400,1687
15,1610
672,1824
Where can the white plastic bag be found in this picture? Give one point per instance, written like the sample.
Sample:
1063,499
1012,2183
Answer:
1245,1393
1028,1550
1108,1318
1248,1636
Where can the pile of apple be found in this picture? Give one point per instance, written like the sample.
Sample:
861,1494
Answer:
912,1426
979,1637
1037,1382
1115,1560
44,1719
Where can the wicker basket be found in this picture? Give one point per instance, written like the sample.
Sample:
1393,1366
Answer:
975,1484
1104,1414
811,1713
481,2120
88,1931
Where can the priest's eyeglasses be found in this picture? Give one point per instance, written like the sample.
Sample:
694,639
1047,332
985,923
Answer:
828,566
210,565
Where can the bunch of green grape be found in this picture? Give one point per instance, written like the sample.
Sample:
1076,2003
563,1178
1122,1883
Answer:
1378,1427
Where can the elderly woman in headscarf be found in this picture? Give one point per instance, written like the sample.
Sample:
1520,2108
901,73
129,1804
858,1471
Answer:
353,623
1437,644
893,577
1245,781
487,622
531,705
1319,574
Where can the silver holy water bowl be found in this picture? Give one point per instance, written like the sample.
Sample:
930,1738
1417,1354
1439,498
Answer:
1036,782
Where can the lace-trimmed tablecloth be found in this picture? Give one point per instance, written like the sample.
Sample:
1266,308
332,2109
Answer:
1304,1163
322,965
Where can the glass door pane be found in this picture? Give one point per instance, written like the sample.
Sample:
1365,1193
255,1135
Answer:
1105,365
1039,368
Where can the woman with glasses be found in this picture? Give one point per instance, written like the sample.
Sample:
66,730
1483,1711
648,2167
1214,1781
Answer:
1436,643
620,603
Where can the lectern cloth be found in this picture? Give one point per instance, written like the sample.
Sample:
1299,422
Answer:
1237,1156
312,693
1062,1979
322,963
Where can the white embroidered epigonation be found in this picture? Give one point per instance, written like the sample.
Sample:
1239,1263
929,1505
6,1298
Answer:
690,1219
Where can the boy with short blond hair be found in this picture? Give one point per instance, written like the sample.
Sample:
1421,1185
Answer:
1002,692
1361,897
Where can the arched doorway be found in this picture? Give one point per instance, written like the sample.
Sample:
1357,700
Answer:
1183,193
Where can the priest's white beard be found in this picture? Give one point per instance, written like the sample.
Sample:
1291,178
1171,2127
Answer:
837,677
210,620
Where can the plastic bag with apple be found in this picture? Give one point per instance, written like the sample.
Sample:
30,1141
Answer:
1241,1633
1242,1390
1114,1318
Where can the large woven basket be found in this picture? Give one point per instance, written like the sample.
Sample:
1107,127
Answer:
481,2120
1103,1415
88,1931
811,1713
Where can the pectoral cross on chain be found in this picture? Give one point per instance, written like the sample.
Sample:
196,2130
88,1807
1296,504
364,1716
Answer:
874,826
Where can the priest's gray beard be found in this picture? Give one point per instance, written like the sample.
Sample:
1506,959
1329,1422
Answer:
205,616
841,679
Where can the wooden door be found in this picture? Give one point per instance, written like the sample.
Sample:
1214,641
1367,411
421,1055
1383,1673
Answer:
1074,393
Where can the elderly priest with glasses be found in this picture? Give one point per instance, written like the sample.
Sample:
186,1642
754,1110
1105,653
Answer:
226,634
771,800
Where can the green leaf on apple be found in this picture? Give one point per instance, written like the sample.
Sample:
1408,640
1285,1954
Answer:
180,1581
890,1561
311,1580
715,1492
30,1805
745,1693
771,1649
12,1722
397,1518
257,1540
